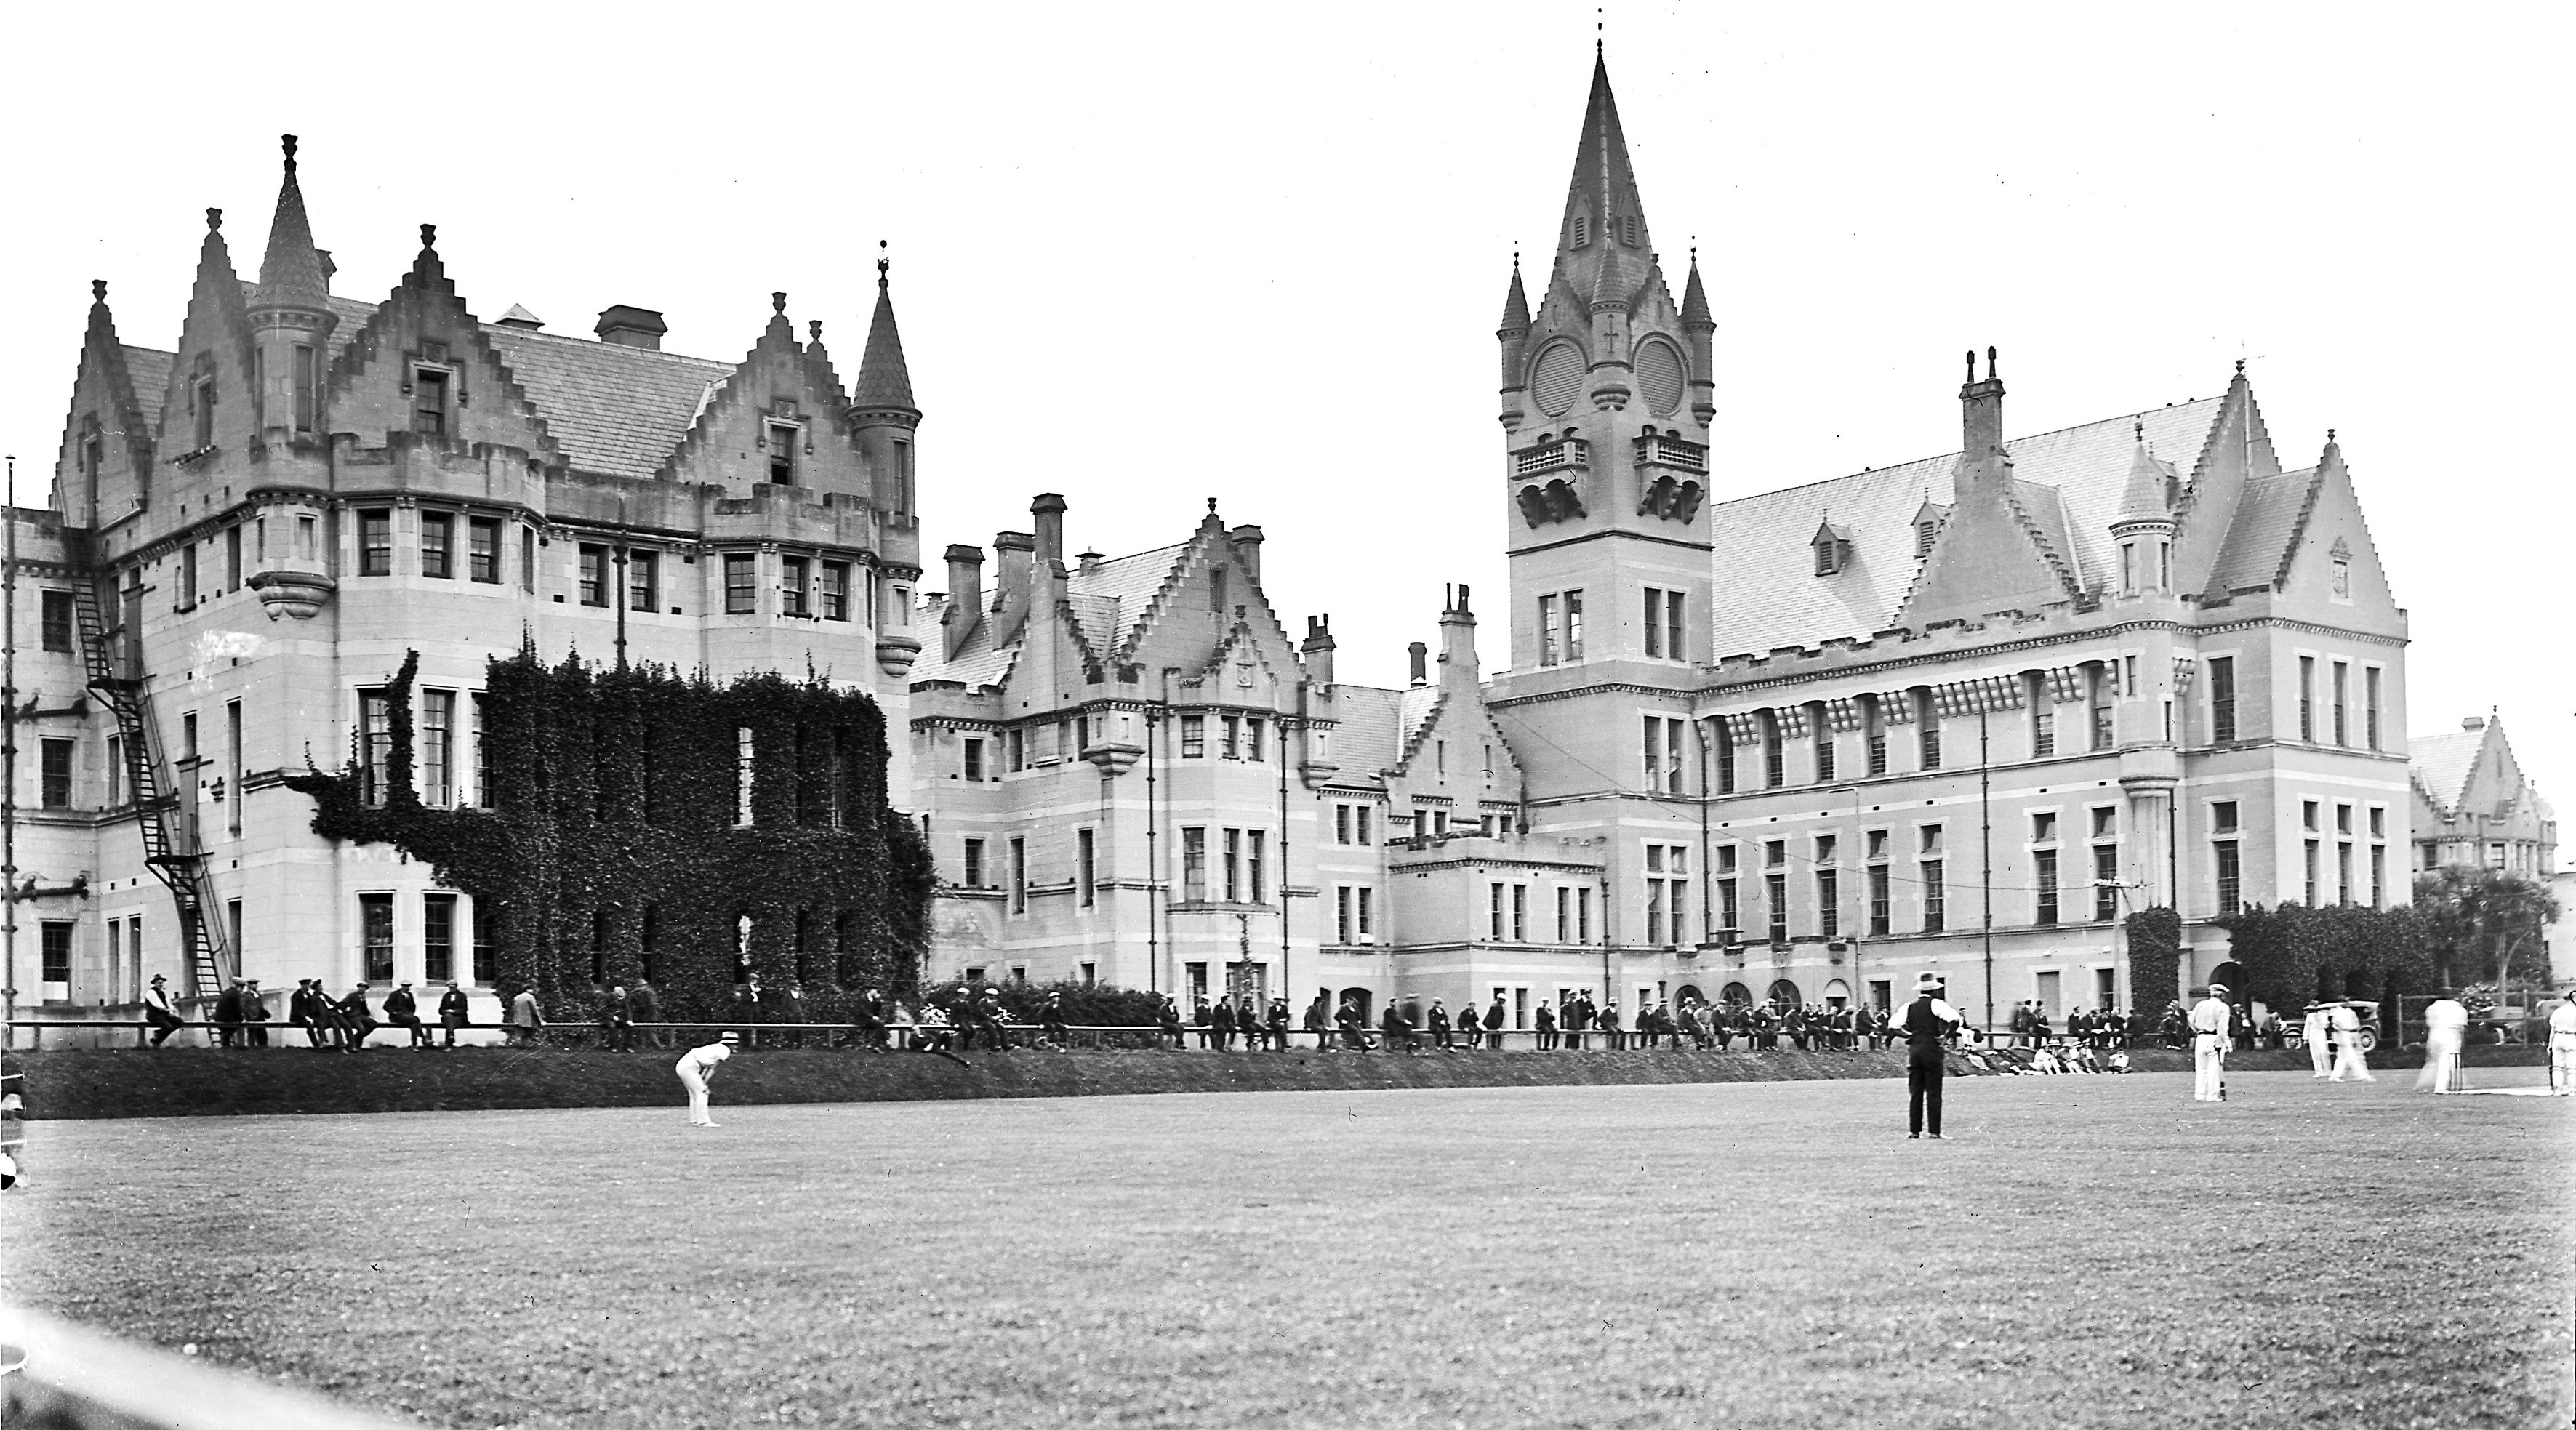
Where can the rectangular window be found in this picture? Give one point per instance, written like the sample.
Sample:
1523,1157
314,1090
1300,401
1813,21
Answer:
1663,751
2342,687
1774,763
2106,883
2308,872
1667,891
1829,913
1017,743
1368,926
974,864
1494,912
57,773
1927,733
1233,866
437,758
1547,646
375,543
1878,911
2308,698
2045,863
376,932
794,582
1775,889
1232,748
205,423
2098,683
1252,739
1873,736
1194,866
974,759
1341,824
643,581
1936,896
594,575
1654,623
1728,917
232,766
375,745
1564,914
741,584
836,590
58,620
437,532
429,402
1574,625
527,560
306,390
2379,876
1086,867
1520,913
1019,876
1824,752
438,937
2370,707
1258,841
57,957
483,549
187,575
1193,737
2222,699
2222,817
232,558
2343,873
2043,731
1674,649
1363,813
1583,916
744,756
2231,878
783,441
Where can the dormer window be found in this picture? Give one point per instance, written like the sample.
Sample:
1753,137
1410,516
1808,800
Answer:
429,401
1832,545
783,439
1927,526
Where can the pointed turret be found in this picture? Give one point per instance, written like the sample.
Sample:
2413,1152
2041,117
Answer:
290,315
1514,336
2148,496
883,395
1604,252
1516,310
1699,328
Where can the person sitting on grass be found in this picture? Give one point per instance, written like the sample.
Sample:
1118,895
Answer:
2045,1062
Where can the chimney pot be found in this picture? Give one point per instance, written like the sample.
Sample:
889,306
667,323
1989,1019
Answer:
631,327
966,587
1048,514
1246,541
2473,722
1421,662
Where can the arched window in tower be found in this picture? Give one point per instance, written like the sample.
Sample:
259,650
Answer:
1660,374
1557,378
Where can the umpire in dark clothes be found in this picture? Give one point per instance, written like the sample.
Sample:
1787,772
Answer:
1926,1022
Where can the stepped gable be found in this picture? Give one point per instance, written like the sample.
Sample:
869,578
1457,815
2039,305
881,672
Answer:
148,370
1765,584
777,368
216,331
614,410
1108,600
109,386
1415,714
491,405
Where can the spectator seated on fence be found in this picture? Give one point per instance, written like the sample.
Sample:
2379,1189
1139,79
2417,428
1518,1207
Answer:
933,1032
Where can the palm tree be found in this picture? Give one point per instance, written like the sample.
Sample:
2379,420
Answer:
2480,919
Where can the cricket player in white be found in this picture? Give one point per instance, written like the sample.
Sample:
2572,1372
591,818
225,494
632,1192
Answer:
696,1067
2349,1066
2209,1027
2446,1026
2562,1047
2313,1033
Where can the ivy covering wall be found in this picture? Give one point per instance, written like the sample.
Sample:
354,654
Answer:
2155,961
2294,955
614,842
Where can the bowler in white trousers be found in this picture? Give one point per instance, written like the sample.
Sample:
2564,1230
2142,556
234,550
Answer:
2446,1026
696,1067
2209,1027
2349,1066
2313,1032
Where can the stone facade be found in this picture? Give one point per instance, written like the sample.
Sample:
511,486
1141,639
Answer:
2474,804
309,486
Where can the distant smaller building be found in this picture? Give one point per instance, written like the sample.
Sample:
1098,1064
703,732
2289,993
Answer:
2562,934
2474,804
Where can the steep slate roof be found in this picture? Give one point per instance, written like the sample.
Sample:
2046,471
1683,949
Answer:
1769,596
150,370
290,272
1604,188
2267,515
1110,598
2443,763
614,410
1368,739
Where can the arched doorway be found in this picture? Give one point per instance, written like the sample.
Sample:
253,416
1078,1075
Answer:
1735,995
2232,974
1837,994
1359,999
1687,995
1784,994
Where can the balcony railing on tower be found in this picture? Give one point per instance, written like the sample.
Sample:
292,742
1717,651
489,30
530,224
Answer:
1662,450
1550,456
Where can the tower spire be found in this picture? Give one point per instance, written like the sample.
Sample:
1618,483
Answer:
884,383
1603,250
290,272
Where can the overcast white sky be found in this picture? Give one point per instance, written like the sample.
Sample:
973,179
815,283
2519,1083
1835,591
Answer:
1149,255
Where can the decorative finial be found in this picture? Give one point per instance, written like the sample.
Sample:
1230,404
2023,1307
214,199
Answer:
778,303
2140,427
1990,364
1211,506
814,330
98,290
2240,367
883,263
1516,258
102,288
1694,250
1972,364
214,220
1596,32
429,235
288,141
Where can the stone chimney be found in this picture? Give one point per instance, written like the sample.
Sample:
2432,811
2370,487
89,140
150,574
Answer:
1421,663
1047,512
1981,427
1246,541
1318,648
1457,642
966,594
1015,552
631,327
2473,722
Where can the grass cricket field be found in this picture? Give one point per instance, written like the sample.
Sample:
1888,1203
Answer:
2089,1251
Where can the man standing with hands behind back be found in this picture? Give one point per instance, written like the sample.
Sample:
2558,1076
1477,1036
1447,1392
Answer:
1926,1021
2209,1020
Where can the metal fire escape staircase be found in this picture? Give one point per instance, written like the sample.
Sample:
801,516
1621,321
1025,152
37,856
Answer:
115,670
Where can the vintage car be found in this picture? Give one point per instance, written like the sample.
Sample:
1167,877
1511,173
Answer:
2294,1031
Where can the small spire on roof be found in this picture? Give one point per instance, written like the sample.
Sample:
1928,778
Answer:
1990,363
2140,426
883,263
2240,367
1596,32
2329,431
215,220
1972,364
778,302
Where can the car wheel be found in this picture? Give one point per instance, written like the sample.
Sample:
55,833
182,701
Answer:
2369,1041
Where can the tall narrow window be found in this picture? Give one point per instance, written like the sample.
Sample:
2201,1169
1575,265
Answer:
205,425
58,620
2231,878
1257,843
2098,680
232,558
1927,732
1774,762
1829,913
1019,876
594,575
1547,637
305,392
56,786
232,766
1193,737
1936,895
482,756
1878,912
375,745
1654,622
1194,865
376,934
429,402
2370,707
836,590
2308,698
1824,747
437,760
643,581
2222,699
1233,866
437,937
741,589
1721,754
527,558
483,549
1873,736
2045,863
437,533
973,871
1085,867
187,575
375,543
2342,684
794,584
1574,625
783,441
744,754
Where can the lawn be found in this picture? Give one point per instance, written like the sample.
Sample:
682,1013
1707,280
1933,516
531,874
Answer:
2088,1252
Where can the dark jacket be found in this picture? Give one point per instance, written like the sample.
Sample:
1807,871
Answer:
400,1006
452,1006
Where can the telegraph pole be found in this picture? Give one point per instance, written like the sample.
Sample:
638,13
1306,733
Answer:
1986,857
9,769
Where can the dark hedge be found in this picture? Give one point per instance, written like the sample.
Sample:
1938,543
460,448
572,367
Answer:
2294,955
2155,961
611,848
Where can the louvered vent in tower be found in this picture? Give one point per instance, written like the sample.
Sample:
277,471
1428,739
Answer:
1558,378
1659,375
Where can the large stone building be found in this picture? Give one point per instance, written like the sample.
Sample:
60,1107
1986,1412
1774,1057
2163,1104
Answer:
2474,804
1962,713
246,535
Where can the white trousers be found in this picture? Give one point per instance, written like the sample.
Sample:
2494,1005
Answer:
2562,1064
2319,1057
697,1087
2441,1062
2208,1064
2349,1066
